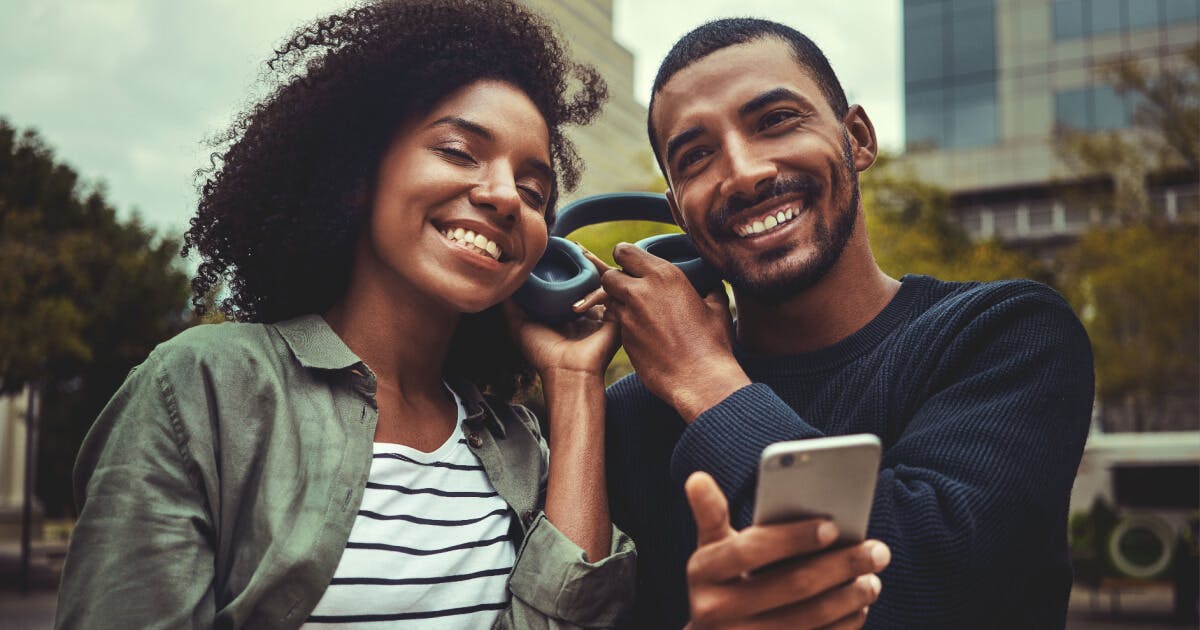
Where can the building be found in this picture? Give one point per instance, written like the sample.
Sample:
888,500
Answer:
614,149
987,81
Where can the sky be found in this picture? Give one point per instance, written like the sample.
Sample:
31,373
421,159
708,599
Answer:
127,91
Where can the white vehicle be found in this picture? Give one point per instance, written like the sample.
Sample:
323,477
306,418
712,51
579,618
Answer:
1134,512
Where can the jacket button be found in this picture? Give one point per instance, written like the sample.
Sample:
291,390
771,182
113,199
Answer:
474,440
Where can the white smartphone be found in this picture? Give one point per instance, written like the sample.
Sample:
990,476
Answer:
831,477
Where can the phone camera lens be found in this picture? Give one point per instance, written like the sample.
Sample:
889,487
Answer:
786,461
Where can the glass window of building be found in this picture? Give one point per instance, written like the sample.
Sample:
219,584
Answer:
1071,109
1109,109
1106,16
924,119
974,40
924,26
974,114
1181,10
1068,19
1143,14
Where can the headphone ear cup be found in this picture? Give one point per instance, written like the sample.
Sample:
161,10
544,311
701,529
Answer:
679,251
560,278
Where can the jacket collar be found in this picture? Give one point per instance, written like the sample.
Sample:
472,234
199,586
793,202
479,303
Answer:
314,343
479,412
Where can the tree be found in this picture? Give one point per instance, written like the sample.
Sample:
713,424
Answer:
1136,281
83,298
912,232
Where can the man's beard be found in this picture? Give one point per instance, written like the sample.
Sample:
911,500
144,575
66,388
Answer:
829,240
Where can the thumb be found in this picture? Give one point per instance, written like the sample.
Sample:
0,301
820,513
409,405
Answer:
709,508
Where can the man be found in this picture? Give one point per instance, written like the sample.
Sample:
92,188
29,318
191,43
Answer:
980,393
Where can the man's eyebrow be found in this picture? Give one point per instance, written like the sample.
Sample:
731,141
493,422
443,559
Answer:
680,139
768,98
472,128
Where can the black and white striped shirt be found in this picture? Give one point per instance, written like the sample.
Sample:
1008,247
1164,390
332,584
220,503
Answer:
429,547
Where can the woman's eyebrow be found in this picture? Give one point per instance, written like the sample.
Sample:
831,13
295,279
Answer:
463,124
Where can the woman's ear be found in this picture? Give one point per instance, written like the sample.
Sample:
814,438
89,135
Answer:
864,147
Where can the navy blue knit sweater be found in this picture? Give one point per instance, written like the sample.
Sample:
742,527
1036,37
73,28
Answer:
981,394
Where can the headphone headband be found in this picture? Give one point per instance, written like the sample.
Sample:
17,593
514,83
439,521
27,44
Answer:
624,206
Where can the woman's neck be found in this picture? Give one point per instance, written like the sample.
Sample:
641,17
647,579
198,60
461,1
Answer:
403,340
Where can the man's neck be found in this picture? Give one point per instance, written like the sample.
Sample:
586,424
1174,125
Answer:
852,294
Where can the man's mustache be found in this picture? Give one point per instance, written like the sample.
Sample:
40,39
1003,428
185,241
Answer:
805,185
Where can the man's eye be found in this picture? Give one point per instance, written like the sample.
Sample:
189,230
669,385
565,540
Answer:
692,156
777,117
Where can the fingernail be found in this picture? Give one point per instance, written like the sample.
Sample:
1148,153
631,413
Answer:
579,303
826,532
880,555
874,583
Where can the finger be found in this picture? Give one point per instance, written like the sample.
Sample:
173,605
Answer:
853,621
601,266
595,313
805,579
760,545
618,284
591,299
831,607
709,508
638,262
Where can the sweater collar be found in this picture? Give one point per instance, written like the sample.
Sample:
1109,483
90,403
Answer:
897,311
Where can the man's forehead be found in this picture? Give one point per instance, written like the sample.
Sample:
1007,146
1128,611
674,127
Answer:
729,78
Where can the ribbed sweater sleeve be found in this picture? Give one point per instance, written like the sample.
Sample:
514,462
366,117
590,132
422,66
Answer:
973,491
727,440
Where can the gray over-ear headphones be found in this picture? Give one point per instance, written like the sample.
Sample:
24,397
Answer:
563,276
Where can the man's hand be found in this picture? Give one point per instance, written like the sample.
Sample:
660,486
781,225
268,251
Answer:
824,589
680,345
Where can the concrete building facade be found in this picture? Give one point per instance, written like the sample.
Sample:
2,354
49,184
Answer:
988,81
614,149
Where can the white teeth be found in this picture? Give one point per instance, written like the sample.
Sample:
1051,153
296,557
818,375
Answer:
471,240
767,223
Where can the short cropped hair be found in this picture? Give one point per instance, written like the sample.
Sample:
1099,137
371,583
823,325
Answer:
717,34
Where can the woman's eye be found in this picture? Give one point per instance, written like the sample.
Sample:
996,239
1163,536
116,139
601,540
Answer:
455,154
533,196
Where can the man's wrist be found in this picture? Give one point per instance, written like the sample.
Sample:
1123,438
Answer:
707,387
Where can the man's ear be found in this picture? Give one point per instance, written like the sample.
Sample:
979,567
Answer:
864,148
675,213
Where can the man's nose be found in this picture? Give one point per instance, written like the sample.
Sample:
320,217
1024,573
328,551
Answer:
748,170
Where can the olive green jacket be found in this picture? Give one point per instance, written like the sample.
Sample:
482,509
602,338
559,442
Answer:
219,486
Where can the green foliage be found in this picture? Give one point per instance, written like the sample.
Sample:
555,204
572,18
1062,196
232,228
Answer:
1137,290
83,298
1136,284
912,232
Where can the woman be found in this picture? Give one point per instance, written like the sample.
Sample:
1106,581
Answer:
330,461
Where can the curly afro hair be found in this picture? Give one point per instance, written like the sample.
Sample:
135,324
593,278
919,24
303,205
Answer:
282,206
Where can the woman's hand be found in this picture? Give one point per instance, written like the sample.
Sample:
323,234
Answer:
582,347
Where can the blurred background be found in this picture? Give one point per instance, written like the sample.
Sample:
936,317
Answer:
1052,139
